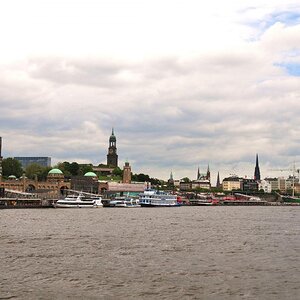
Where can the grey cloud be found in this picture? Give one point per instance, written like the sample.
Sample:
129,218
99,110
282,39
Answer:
175,114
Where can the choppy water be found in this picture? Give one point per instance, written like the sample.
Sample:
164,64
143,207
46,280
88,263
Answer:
159,253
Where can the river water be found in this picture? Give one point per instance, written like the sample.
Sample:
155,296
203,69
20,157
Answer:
150,253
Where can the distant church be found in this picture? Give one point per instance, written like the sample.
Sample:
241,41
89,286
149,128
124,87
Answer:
202,181
112,156
204,176
256,170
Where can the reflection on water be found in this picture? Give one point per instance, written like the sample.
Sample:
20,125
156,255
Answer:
159,253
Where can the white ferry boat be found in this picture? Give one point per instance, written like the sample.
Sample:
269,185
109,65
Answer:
126,202
152,198
79,201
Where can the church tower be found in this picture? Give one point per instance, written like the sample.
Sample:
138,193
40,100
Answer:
257,171
112,157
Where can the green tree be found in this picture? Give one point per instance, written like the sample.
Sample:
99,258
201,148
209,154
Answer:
11,166
216,190
146,178
33,170
74,168
44,173
186,179
117,172
155,181
141,177
69,169
84,168
64,167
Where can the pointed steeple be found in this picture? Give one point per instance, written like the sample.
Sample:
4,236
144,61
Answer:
171,181
218,181
112,138
208,173
198,174
257,171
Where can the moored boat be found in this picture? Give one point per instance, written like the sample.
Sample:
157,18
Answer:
208,202
152,198
290,199
25,203
205,200
125,202
79,201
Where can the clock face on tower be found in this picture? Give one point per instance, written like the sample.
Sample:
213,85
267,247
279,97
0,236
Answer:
111,151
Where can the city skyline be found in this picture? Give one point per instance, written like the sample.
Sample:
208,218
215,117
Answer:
200,175
183,84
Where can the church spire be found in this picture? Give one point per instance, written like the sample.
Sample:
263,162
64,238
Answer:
112,139
171,181
198,174
257,171
208,173
218,181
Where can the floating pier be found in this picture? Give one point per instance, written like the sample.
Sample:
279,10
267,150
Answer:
25,203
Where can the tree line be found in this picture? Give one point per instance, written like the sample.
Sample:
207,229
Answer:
11,166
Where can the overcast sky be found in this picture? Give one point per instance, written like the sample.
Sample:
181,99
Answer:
184,83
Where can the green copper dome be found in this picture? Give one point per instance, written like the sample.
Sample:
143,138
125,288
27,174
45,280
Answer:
55,171
90,174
